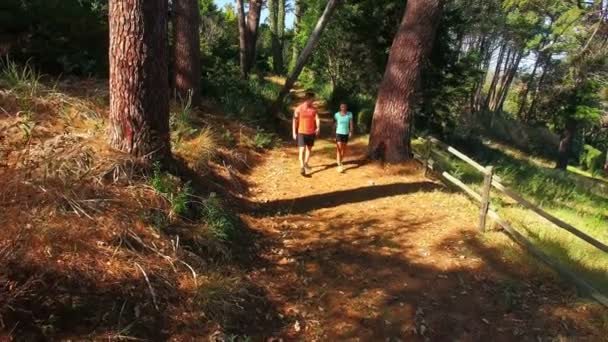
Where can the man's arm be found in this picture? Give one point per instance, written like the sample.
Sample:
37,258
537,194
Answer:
318,121
295,125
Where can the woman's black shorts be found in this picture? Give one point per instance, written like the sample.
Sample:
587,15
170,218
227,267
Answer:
306,140
342,138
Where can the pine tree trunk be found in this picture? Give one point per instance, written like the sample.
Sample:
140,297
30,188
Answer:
276,14
299,10
306,53
240,11
281,36
565,145
495,77
253,23
484,65
186,50
524,97
501,81
504,90
139,83
392,120
532,110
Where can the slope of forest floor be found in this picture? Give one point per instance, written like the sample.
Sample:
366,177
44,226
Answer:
95,245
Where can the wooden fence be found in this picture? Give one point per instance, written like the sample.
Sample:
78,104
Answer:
486,210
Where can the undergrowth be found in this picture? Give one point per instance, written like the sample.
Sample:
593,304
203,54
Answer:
570,197
111,247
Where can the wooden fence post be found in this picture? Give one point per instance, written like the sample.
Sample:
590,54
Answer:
427,155
485,198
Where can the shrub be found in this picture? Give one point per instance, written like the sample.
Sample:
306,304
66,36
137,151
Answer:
222,223
263,140
364,120
179,196
19,78
592,159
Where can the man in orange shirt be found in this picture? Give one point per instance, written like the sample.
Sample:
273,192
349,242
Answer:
306,125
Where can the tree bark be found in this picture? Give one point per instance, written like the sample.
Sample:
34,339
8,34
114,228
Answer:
495,77
306,52
392,121
277,27
565,145
186,50
504,90
139,83
524,97
240,12
299,10
541,80
253,23
496,93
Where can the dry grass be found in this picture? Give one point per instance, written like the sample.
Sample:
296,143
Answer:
88,248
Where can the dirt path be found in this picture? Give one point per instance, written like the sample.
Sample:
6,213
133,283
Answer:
384,254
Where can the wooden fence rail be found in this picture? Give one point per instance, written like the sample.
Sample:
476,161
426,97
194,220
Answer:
484,198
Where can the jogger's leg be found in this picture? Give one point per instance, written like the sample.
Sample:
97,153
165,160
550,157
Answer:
338,154
302,151
307,155
344,151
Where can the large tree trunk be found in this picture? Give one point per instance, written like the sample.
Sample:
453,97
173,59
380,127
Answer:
524,96
495,77
306,52
277,27
299,10
281,35
486,51
504,90
501,80
535,94
565,145
240,11
139,83
253,23
392,122
186,50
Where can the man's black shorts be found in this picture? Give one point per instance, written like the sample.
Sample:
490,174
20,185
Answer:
306,140
342,138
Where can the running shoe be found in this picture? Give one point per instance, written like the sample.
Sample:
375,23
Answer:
302,171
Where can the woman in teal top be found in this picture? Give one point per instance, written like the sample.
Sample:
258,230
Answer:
343,120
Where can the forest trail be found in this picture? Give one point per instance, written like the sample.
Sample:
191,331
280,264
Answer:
382,253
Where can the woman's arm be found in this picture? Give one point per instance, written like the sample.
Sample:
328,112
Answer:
295,125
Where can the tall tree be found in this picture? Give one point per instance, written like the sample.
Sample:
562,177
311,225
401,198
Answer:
392,121
240,11
306,52
253,23
186,49
139,84
298,12
277,30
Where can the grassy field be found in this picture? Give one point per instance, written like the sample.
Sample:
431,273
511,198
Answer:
574,197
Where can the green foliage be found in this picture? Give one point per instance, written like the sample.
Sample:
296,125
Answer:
227,138
222,223
248,100
592,159
364,120
179,196
263,139
63,36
